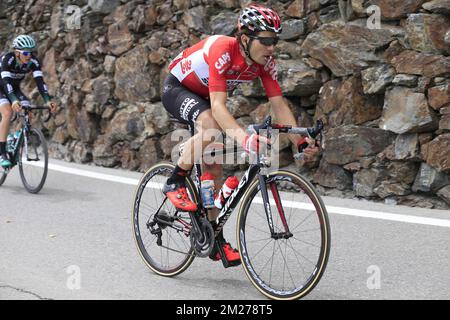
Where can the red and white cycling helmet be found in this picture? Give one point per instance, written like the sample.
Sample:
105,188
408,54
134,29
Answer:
256,19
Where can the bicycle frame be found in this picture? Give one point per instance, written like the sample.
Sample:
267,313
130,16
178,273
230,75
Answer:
231,203
15,155
253,171
25,128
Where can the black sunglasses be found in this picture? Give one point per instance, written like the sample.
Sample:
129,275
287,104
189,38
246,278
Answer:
266,41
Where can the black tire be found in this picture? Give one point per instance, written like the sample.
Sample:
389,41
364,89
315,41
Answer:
147,200
3,176
293,279
33,167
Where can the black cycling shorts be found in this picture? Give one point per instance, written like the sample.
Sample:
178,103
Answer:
182,104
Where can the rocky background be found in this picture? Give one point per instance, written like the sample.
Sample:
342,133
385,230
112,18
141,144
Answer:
382,90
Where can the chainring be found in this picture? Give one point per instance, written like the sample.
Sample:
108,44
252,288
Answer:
203,241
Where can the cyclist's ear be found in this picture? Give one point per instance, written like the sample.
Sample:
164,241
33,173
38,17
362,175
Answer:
245,39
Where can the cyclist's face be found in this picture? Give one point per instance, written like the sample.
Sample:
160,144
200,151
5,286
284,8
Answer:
24,56
262,49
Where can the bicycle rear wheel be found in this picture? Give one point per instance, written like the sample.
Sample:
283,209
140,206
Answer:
161,232
33,160
290,263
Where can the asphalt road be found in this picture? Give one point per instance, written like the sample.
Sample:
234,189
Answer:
74,240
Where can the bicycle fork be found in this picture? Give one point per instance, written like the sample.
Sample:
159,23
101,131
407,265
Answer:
266,202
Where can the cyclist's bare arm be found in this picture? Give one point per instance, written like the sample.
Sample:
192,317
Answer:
283,115
224,118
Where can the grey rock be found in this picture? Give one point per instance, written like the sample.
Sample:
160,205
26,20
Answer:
102,89
406,147
395,9
82,153
375,79
438,6
346,144
429,179
297,79
329,14
148,154
127,124
196,19
436,153
292,29
332,176
224,23
423,64
102,153
386,189
426,33
444,193
132,86
406,111
156,119
346,49
108,64
164,13
103,6
406,80
366,180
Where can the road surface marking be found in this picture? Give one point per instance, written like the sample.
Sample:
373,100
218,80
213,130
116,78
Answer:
258,200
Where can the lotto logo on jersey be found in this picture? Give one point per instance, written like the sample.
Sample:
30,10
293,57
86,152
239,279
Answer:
271,68
223,60
185,66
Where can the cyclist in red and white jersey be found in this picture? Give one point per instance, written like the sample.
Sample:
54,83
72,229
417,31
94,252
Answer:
195,93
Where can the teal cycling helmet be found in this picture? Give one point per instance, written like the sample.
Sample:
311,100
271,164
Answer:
24,42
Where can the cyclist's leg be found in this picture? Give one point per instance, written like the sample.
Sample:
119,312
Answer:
6,114
24,102
196,111
188,108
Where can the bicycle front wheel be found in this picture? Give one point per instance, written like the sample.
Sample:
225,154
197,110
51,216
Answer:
3,176
160,231
33,160
288,263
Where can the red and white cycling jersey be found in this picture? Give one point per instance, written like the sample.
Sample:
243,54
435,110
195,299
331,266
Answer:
216,64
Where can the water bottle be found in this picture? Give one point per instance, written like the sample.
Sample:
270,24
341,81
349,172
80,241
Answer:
207,190
225,192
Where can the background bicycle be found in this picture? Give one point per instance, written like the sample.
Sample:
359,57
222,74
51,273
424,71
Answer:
283,231
27,148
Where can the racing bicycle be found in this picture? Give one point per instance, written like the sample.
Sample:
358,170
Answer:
283,231
28,149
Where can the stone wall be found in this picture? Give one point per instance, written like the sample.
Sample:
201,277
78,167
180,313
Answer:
383,91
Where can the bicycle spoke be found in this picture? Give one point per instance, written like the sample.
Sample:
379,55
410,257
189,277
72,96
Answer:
262,249
271,265
285,264
303,256
309,244
295,228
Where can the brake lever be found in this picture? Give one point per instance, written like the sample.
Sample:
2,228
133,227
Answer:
314,132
